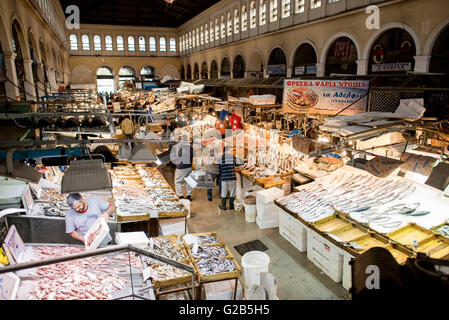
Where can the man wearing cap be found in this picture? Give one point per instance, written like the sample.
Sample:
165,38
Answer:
84,213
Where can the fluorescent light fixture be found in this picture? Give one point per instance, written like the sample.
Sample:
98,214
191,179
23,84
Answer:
86,175
20,171
163,158
138,153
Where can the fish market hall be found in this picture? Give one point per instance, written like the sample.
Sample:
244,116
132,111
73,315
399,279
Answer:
224,150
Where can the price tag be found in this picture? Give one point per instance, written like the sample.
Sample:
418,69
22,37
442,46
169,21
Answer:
9,285
15,243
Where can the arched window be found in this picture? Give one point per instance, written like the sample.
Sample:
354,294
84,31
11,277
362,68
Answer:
162,45
239,67
393,46
262,13
183,73
108,43
305,60
194,39
197,37
120,44
131,44
211,28
244,19
440,53
105,80
201,36
85,42
273,10
223,27
126,74
190,42
315,4
189,72
206,33
214,70
229,22
204,74
277,58
236,21
341,57
153,44
73,42
142,44
196,72
285,8
225,68
97,43
253,14
217,30
147,73
299,6
172,45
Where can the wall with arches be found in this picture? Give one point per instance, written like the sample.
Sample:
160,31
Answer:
321,34
40,25
163,66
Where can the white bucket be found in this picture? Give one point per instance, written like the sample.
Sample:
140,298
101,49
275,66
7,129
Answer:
254,262
250,212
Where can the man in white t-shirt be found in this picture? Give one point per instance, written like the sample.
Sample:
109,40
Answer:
84,213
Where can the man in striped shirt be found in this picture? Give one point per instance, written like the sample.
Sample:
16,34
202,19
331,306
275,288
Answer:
226,167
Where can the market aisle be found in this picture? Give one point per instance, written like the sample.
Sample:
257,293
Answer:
298,278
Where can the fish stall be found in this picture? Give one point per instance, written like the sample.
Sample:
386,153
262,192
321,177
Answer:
141,193
345,213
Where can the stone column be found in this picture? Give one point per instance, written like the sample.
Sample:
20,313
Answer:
422,63
362,67
320,69
52,80
41,78
12,90
289,71
30,90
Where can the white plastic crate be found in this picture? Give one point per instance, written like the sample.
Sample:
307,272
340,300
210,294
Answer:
172,226
293,231
266,210
101,225
221,290
267,196
268,222
138,239
347,272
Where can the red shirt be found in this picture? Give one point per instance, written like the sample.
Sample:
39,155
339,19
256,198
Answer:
235,122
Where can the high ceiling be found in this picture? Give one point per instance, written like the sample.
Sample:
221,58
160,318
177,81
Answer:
148,13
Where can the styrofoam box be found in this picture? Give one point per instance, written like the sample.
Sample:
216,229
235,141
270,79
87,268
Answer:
100,237
269,195
138,239
299,234
268,223
221,290
347,273
329,256
264,210
293,231
314,244
171,226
